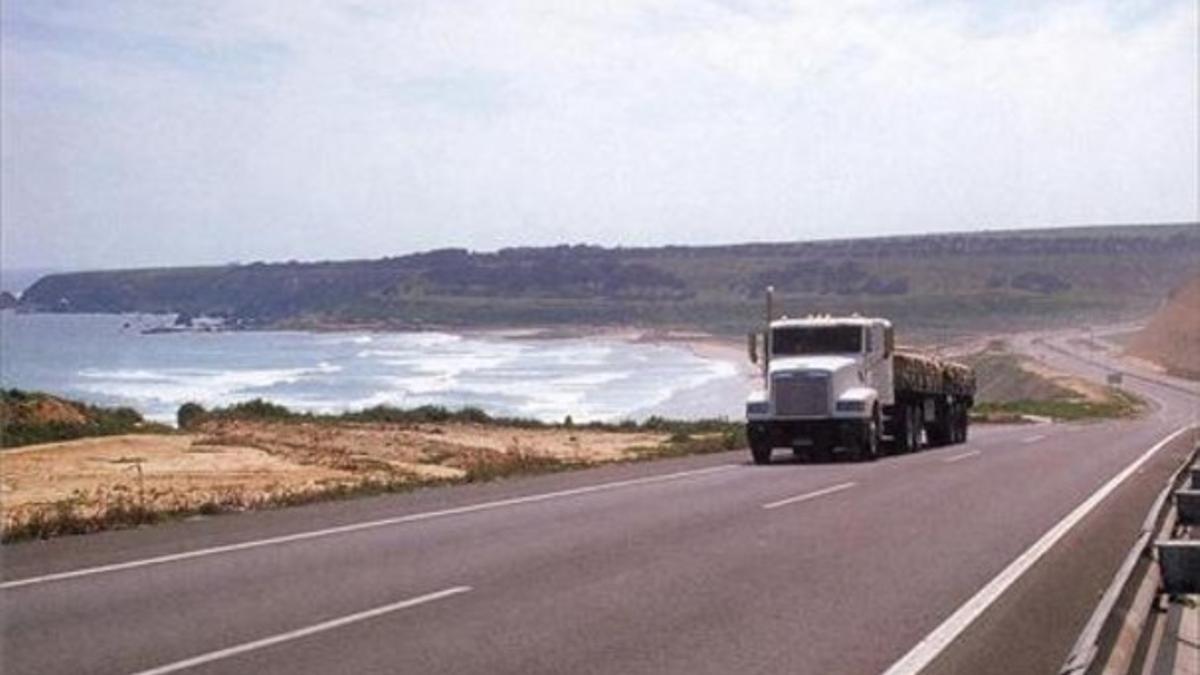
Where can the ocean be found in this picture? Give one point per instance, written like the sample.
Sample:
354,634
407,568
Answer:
108,360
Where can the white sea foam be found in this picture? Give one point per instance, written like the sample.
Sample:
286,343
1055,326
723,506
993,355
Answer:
336,339
178,385
122,374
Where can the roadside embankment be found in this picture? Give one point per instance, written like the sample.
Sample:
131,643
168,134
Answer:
1013,388
1172,337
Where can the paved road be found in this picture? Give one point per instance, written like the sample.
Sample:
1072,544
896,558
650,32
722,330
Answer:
695,565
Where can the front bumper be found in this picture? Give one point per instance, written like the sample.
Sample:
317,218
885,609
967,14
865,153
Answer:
822,433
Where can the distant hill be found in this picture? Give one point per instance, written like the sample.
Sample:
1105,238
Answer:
1172,338
930,283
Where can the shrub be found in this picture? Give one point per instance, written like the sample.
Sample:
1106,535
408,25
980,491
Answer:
190,415
28,418
257,409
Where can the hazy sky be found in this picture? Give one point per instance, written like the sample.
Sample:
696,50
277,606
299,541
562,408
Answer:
141,133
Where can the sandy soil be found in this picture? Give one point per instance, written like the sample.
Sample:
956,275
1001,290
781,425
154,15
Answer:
1172,337
708,347
42,474
1086,390
238,464
428,450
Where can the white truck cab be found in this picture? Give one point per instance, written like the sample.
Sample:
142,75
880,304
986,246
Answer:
825,366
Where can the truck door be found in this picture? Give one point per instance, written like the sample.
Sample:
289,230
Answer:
883,343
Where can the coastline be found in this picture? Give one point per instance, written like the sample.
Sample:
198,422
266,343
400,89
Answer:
698,375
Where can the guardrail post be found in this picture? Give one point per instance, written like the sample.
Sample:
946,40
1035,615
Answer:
1187,505
1179,562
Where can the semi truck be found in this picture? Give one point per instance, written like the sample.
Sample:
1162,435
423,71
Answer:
839,385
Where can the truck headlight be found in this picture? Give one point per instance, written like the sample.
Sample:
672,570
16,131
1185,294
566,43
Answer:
757,408
851,406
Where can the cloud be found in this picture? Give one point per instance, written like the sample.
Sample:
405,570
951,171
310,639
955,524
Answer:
151,133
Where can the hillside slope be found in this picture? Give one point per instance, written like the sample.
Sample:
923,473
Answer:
1172,338
933,283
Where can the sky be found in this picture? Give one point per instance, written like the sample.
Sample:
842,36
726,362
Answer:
169,133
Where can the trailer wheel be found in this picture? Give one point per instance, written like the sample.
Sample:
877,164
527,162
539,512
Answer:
910,436
902,428
960,423
917,429
939,432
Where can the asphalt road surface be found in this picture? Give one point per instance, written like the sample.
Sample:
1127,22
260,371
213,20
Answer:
985,557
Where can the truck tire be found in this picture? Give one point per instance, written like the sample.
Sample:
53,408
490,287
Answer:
908,428
961,420
761,452
869,447
939,432
920,437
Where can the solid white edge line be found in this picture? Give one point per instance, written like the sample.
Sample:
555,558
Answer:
301,632
809,495
964,455
928,649
355,527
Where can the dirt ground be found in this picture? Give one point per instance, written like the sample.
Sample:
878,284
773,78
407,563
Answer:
426,450
1083,389
1172,337
240,464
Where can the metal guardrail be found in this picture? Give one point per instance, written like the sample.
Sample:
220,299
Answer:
1117,638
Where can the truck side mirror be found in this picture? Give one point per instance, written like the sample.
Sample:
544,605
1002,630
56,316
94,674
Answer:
752,347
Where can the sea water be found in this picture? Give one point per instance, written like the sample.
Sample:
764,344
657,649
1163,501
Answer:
109,360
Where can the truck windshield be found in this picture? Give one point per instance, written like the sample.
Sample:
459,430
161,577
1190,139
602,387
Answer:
816,340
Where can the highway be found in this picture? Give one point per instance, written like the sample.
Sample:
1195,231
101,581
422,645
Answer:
985,557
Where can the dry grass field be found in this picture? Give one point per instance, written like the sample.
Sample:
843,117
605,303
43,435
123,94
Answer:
232,464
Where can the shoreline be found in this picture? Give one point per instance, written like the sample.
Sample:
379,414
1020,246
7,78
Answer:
714,385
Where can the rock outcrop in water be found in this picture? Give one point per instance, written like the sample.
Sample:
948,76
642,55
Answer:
7,300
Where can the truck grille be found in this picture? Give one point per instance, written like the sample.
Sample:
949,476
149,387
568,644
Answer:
801,393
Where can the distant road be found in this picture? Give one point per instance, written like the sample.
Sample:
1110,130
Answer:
696,565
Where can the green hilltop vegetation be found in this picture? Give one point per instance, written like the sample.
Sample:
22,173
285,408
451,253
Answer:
930,283
31,417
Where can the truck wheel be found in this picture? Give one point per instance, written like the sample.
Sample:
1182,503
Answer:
960,423
900,426
869,449
761,452
938,432
915,427
909,437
